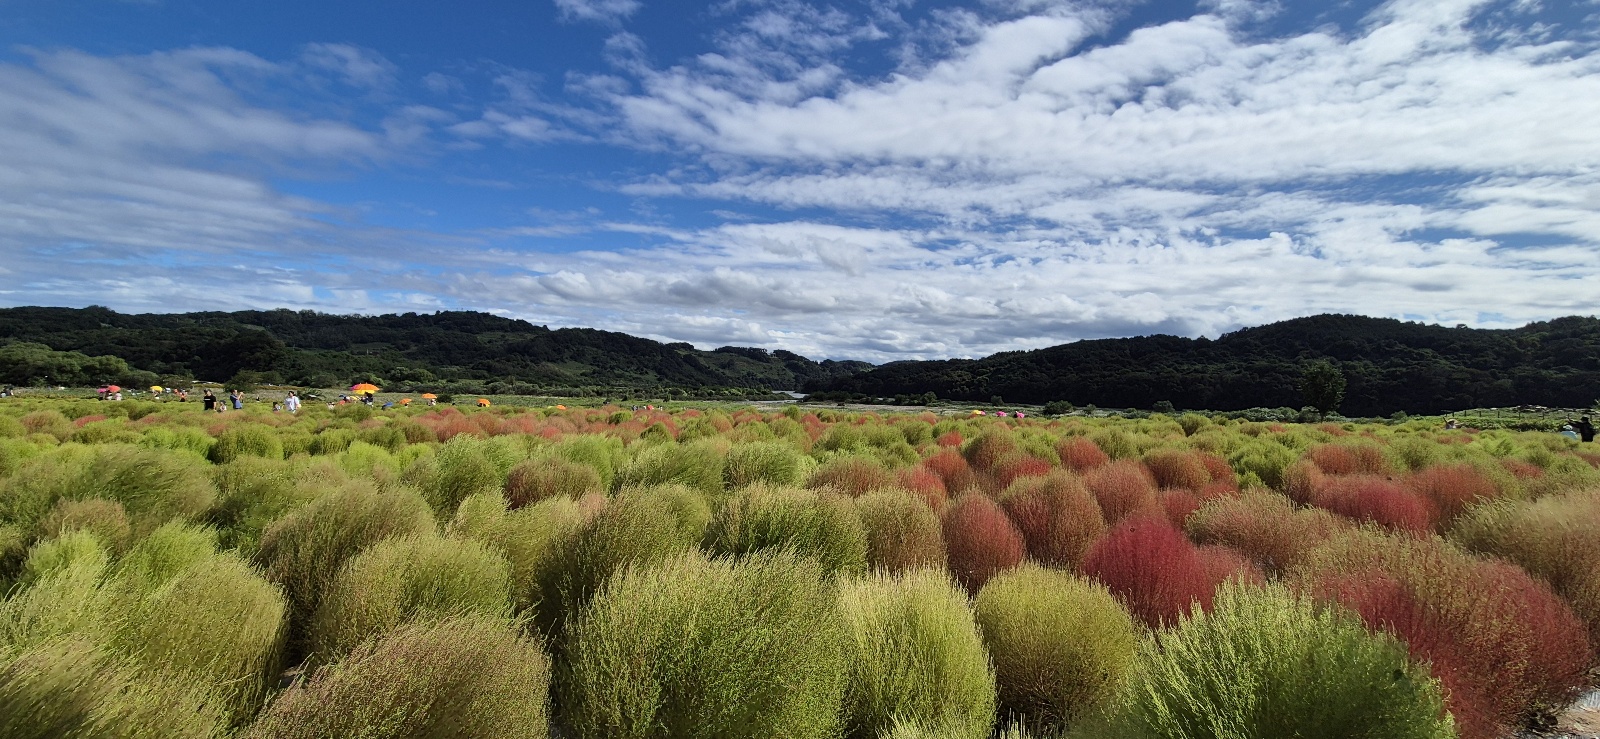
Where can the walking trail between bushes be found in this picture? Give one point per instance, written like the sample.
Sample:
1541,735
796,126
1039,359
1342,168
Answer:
1581,721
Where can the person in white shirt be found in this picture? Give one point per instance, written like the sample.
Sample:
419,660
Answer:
292,403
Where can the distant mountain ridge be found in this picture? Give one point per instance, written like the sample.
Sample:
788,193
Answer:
320,349
1389,366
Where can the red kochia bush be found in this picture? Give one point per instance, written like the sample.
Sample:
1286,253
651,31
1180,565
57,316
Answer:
1504,646
949,439
1172,468
1079,454
1223,478
980,541
926,485
1451,489
1265,526
1302,480
1057,516
1152,569
1123,488
1372,498
951,467
1222,562
1349,459
1013,468
1179,504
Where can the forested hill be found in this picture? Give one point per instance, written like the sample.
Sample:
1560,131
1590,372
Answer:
318,349
1389,366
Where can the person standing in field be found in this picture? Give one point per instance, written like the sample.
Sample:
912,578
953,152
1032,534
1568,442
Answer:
1584,428
237,399
292,403
208,401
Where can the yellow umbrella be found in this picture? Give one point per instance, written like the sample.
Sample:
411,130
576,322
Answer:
156,388
364,388
428,396
483,402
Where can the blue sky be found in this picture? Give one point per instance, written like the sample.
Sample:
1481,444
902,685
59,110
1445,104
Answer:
872,179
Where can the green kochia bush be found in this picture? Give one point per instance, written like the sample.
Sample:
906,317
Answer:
216,624
820,525
903,533
1062,646
1269,664
638,527
413,578
697,465
461,468
463,678
531,539
915,656
691,648
247,440
304,550
775,463
70,688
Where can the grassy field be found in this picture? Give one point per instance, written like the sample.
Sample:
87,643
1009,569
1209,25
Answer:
753,571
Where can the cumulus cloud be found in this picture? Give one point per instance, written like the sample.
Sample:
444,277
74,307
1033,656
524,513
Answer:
1004,176
603,11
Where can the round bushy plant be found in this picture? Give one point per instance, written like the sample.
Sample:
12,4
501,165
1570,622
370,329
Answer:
105,519
1268,664
530,538
980,540
697,465
252,494
902,532
915,656
1062,646
692,648
305,549
812,524
154,486
217,624
70,688
534,480
1058,517
636,528
463,466
246,440
853,475
773,463
461,678
412,578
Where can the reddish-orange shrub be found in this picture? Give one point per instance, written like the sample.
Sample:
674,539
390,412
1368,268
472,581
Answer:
1264,526
1123,488
1375,499
1302,480
1016,467
1179,504
1222,475
853,476
1152,569
1079,454
951,467
1057,516
1522,470
926,485
1523,648
1451,489
980,540
1173,468
950,439
1224,562
1349,459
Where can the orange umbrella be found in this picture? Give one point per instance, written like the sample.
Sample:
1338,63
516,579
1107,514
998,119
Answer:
483,402
364,388
561,407
405,401
428,396
113,389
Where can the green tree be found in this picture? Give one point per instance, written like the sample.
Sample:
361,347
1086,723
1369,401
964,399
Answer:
1322,385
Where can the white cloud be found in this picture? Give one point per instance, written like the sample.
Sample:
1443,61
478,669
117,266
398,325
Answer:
603,11
356,66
